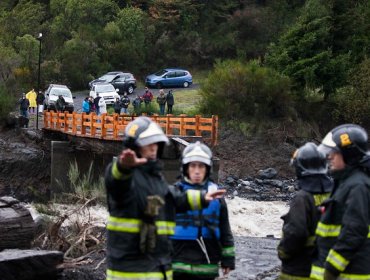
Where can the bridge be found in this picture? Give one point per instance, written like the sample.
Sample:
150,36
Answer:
88,138
112,127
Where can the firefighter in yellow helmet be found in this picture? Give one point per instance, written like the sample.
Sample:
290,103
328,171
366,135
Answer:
343,238
142,206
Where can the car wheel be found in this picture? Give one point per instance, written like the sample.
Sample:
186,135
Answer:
158,85
130,89
186,84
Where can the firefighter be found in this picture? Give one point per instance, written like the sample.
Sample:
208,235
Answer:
297,246
142,206
202,238
343,237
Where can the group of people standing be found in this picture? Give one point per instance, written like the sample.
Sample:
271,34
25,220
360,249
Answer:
97,105
326,233
29,103
162,100
158,231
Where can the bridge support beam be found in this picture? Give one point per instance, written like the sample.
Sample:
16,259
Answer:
64,154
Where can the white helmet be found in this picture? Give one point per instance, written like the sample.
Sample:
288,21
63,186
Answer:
196,152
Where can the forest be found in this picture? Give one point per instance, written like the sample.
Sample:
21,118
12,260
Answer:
267,59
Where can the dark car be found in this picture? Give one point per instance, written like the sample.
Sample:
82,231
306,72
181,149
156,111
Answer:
169,77
123,81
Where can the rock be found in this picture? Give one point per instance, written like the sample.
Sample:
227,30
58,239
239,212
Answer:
246,183
268,173
16,225
32,135
291,189
230,180
29,264
275,183
235,193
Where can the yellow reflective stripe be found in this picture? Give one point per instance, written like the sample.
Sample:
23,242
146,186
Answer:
118,175
228,251
165,228
324,230
133,225
123,224
310,241
284,276
119,275
194,199
195,268
317,272
345,276
368,235
337,260
319,198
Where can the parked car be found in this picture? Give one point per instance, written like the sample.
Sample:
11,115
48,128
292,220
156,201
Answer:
123,81
52,94
105,90
169,77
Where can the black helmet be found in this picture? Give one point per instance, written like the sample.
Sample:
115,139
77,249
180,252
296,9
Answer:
196,152
308,160
141,132
348,139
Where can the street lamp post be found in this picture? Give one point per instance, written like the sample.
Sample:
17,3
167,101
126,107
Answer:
38,80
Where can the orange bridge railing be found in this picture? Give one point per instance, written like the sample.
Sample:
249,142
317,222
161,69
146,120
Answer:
111,127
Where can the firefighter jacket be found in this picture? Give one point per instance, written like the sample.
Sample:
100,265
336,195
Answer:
203,238
343,237
127,195
297,244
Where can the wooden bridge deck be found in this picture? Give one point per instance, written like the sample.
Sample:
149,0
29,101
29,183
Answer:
112,127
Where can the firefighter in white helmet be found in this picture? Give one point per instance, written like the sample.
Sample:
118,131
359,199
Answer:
203,239
142,206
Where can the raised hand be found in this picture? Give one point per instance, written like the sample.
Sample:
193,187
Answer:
214,195
128,159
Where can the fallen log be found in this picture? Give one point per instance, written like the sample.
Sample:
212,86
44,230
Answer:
29,264
17,227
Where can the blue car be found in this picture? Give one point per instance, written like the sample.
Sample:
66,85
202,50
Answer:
169,77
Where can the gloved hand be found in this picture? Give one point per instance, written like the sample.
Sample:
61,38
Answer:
328,275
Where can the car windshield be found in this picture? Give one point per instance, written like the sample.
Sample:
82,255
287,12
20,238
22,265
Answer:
61,91
107,78
104,88
160,73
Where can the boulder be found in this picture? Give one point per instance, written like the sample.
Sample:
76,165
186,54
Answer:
267,173
16,225
29,264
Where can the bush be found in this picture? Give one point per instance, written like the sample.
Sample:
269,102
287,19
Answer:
7,102
352,103
235,90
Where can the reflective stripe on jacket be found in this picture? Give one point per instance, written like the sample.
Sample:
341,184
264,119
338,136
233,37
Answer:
127,193
343,231
212,224
297,245
194,224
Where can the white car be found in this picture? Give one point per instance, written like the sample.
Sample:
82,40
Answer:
106,91
52,94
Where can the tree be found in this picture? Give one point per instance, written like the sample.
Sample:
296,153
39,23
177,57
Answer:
305,53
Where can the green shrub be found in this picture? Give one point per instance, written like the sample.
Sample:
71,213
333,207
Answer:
352,103
236,90
7,102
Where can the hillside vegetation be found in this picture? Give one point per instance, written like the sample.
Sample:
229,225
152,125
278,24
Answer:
281,61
